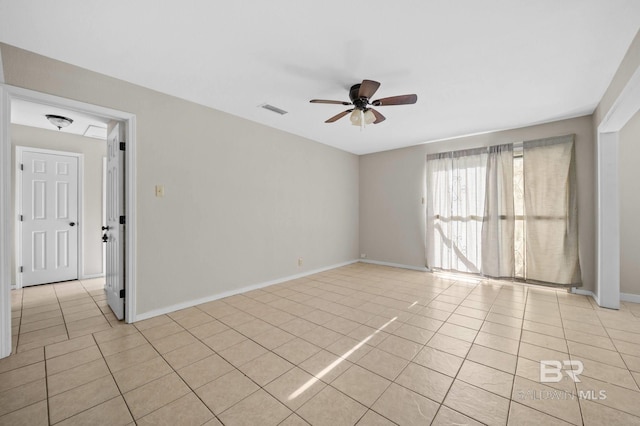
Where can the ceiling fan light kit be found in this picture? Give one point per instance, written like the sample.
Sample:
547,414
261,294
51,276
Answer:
361,117
362,113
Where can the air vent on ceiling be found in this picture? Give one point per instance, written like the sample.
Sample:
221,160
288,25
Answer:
274,109
96,132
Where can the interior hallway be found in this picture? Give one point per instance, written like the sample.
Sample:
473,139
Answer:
46,314
361,344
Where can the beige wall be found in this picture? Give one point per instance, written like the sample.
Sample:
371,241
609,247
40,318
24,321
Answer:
94,150
242,201
629,151
392,184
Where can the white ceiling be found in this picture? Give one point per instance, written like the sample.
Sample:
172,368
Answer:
476,66
34,115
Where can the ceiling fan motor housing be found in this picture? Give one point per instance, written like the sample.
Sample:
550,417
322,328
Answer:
358,102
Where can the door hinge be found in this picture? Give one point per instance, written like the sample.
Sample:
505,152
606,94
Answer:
21,166
122,294
21,269
122,220
21,218
122,146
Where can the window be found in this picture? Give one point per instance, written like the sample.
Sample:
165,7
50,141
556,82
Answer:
458,207
505,212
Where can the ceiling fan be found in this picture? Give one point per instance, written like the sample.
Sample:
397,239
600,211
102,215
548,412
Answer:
362,113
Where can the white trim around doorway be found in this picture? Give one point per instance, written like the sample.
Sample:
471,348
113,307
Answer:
607,291
7,93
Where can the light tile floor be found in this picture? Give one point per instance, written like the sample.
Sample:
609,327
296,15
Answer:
362,344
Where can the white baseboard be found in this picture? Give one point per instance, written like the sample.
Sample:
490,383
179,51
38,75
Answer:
629,297
91,276
190,303
395,265
586,293
625,297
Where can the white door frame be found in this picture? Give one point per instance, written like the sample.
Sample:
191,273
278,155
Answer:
103,214
7,93
18,208
607,291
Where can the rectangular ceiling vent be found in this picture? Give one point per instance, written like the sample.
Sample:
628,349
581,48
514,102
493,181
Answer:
274,109
96,132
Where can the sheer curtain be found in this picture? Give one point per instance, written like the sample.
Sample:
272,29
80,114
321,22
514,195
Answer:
456,188
499,217
551,211
439,184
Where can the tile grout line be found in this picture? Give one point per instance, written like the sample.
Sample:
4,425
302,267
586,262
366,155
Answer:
515,373
575,386
21,318
64,320
46,384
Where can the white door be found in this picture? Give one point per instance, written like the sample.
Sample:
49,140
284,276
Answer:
49,217
114,228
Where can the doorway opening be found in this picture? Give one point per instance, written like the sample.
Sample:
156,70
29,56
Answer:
121,236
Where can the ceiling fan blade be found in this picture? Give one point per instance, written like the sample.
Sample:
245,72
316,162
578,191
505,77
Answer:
324,101
368,88
396,100
338,116
379,117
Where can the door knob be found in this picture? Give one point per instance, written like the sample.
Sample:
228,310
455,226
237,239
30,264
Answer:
105,238
72,224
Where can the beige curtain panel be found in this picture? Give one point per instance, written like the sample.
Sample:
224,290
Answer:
498,223
551,211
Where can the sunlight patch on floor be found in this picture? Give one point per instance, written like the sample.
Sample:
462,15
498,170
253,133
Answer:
337,362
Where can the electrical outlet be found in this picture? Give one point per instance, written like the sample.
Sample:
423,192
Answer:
299,261
363,255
